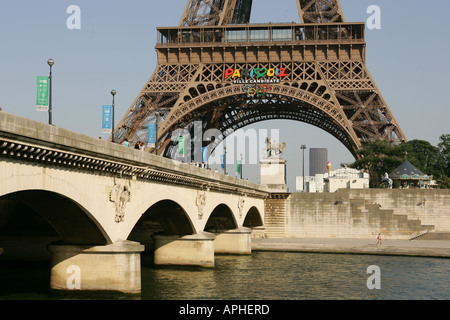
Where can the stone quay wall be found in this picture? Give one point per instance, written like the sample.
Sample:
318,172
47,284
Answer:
359,214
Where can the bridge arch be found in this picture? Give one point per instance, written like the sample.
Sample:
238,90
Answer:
71,221
166,216
226,107
221,218
253,218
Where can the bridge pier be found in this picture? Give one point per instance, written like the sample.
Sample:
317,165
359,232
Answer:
238,241
112,268
191,250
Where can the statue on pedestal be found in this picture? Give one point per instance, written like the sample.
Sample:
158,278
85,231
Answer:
387,181
273,167
274,149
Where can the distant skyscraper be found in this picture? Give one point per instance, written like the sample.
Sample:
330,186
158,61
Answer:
318,160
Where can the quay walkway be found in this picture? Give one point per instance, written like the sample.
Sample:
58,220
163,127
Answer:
420,248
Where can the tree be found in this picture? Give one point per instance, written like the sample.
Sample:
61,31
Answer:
426,158
379,157
444,148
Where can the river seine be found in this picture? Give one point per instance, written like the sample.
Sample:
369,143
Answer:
269,276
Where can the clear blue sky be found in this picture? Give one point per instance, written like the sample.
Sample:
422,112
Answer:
408,58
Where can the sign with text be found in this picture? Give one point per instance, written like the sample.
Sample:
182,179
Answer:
107,119
42,100
256,75
152,135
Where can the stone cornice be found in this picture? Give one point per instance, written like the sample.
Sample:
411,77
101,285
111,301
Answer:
38,144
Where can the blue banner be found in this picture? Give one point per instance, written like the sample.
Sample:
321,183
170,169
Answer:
152,135
107,119
223,161
205,154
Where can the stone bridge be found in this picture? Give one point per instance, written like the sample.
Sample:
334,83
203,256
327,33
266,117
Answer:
111,205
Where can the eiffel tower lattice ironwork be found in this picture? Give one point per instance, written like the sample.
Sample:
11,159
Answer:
217,68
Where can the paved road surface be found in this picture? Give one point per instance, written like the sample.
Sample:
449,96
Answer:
426,248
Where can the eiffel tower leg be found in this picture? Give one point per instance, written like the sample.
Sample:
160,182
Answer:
366,109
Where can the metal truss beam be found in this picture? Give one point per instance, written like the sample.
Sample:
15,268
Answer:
325,80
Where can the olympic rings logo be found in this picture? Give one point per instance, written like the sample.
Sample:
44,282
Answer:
256,91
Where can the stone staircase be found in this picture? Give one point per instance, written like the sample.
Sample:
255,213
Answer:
337,216
390,224
433,236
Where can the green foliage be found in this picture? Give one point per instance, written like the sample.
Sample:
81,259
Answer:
444,148
444,183
427,158
377,158
380,157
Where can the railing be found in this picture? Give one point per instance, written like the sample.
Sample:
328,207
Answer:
183,36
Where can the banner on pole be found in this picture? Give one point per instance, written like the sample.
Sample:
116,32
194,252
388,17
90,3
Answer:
107,119
239,167
151,135
205,154
42,100
223,161
181,146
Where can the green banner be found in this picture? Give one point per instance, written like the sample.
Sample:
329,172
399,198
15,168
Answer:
181,146
42,101
239,167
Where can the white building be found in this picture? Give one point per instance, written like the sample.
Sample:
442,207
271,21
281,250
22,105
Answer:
344,178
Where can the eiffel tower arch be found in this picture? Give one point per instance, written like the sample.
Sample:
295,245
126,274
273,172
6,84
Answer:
216,68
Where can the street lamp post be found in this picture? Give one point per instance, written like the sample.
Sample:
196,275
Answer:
242,164
50,62
225,160
113,92
159,114
303,148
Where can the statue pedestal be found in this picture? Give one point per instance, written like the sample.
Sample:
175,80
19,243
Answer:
273,174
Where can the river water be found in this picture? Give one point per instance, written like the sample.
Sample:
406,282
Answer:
268,276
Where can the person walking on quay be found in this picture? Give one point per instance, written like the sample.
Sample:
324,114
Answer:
379,240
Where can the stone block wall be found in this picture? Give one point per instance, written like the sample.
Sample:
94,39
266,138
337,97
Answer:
431,207
362,214
276,222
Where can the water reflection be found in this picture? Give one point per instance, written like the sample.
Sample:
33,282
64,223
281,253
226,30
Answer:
297,276
265,276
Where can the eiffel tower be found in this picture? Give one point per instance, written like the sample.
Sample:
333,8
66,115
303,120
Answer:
216,68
